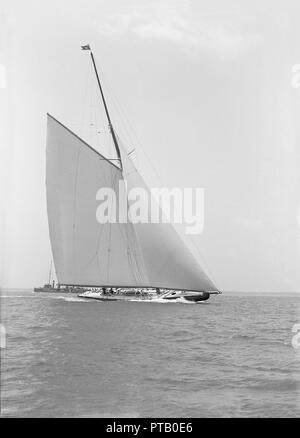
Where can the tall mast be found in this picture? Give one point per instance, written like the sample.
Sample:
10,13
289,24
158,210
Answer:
111,128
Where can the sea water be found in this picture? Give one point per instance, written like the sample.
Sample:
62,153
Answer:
230,356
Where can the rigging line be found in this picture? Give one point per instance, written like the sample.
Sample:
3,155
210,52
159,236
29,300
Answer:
123,122
100,230
131,253
113,184
95,120
104,134
117,107
136,250
110,145
132,247
130,127
96,254
96,126
100,128
202,259
123,235
132,263
74,207
84,99
107,139
101,236
128,244
86,102
141,274
135,256
139,256
102,227
123,230
112,131
189,251
92,117
125,239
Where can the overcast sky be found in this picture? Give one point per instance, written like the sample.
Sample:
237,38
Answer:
206,87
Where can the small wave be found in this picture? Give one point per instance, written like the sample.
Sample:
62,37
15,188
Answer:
266,369
108,415
258,339
15,338
71,299
164,301
274,385
180,333
244,337
17,296
145,300
76,300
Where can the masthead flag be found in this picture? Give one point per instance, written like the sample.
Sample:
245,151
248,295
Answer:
87,47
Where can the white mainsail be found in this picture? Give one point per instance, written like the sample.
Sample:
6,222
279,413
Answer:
84,251
88,253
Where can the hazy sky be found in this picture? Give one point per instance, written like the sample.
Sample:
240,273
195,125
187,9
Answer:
206,86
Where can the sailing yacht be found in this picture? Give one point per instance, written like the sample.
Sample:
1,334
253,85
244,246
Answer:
48,287
114,261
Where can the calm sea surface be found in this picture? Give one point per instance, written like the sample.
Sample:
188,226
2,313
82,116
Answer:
231,356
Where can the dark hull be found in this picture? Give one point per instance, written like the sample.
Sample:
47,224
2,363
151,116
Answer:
194,298
197,299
